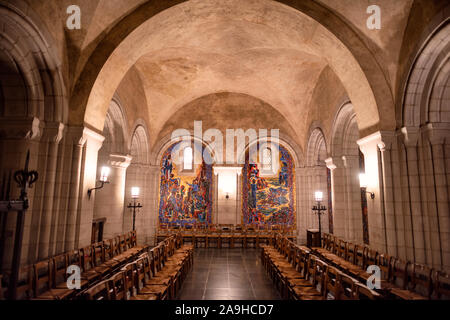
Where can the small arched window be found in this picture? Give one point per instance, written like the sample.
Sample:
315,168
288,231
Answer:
267,160
188,158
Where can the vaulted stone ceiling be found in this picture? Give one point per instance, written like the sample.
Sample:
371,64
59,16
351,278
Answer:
259,48
289,54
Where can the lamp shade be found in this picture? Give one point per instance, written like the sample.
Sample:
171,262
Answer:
362,180
105,174
135,191
318,196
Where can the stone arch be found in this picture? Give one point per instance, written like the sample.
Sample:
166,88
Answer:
115,130
139,149
284,141
167,142
345,168
316,149
424,149
345,132
371,94
32,65
430,66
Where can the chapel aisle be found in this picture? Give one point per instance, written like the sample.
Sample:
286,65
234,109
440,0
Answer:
228,274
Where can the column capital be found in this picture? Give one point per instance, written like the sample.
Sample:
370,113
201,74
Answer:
120,161
436,133
21,128
53,132
334,163
410,136
351,161
382,140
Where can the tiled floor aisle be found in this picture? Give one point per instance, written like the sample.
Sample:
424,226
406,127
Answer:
228,274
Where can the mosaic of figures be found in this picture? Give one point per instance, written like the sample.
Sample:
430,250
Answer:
185,198
269,200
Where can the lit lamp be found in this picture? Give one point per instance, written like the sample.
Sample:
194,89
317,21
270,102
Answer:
135,191
103,180
319,209
363,185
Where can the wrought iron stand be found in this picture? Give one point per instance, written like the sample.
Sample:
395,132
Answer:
25,180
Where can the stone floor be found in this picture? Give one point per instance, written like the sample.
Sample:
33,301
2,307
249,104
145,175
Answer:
228,274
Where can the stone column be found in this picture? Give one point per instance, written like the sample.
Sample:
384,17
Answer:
154,176
85,210
338,189
109,201
52,136
354,226
414,206
302,211
239,198
390,193
376,214
438,137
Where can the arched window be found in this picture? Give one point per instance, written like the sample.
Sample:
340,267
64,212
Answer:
187,159
267,160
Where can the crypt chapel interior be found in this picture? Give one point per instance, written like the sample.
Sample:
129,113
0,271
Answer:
224,150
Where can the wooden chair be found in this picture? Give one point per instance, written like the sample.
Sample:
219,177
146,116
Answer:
316,271
332,285
251,237
118,289
362,292
348,288
213,238
60,265
200,237
108,254
148,285
239,235
442,285
226,236
399,283
421,280
88,266
43,288
100,291
351,254
98,256
118,256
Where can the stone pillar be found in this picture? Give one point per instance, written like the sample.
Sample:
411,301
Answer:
391,194
414,206
85,209
74,145
354,225
153,182
438,137
109,201
376,214
302,202
338,189
239,198
52,136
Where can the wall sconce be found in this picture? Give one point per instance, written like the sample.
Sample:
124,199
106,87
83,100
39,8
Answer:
103,180
135,191
319,209
363,185
227,196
